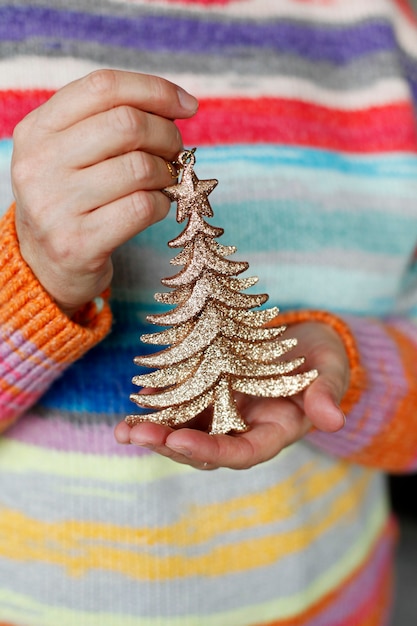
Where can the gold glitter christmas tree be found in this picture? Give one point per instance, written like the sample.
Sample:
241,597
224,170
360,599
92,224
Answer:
216,344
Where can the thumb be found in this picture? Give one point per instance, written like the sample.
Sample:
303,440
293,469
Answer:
321,405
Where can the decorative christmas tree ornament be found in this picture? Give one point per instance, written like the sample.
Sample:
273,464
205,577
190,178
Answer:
216,344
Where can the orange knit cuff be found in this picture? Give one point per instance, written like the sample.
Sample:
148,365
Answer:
25,307
357,373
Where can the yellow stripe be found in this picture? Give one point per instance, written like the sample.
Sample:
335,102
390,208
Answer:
32,612
80,546
305,485
254,509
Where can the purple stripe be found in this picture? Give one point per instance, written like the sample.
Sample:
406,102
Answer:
404,326
13,405
26,373
57,434
338,44
349,604
18,356
387,386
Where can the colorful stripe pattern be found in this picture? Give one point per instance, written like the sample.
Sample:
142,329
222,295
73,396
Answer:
308,118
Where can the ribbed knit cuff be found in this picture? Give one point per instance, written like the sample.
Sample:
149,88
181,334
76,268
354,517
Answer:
27,308
357,373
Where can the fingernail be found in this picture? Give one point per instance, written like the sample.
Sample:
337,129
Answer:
187,101
183,451
143,444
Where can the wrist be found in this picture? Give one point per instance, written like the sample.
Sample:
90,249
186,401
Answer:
26,307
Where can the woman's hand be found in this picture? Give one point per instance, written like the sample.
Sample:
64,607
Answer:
274,423
86,173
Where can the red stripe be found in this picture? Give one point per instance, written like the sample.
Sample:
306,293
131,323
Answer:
291,122
408,10
268,120
203,2
14,105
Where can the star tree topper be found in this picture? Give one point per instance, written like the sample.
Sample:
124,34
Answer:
216,344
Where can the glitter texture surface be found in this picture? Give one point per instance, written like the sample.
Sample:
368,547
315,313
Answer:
215,344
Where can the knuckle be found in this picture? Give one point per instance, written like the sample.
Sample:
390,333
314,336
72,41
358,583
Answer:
60,248
139,168
26,125
20,171
31,172
142,207
126,120
20,131
22,164
160,89
102,82
70,252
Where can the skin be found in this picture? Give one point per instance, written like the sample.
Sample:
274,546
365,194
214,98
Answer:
274,422
96,151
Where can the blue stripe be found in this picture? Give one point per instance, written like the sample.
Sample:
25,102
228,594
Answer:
313,229
357,194
107,390
6,148
376,165
6,195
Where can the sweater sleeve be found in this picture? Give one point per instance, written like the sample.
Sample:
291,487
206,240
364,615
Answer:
381,402
37,341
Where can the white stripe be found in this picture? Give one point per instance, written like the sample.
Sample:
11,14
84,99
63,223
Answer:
406,34
381,93
316,10
33,72
329,11
44,73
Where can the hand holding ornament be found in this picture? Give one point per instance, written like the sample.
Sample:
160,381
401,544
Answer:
220,348
94,152
274,423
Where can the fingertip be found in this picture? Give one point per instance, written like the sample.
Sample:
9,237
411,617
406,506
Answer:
188,103
122,433
149,434
335,421
323,410
330,419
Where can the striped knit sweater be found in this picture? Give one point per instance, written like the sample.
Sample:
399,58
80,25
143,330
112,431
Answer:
308,119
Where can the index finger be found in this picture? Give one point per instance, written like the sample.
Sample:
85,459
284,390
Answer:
105,89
